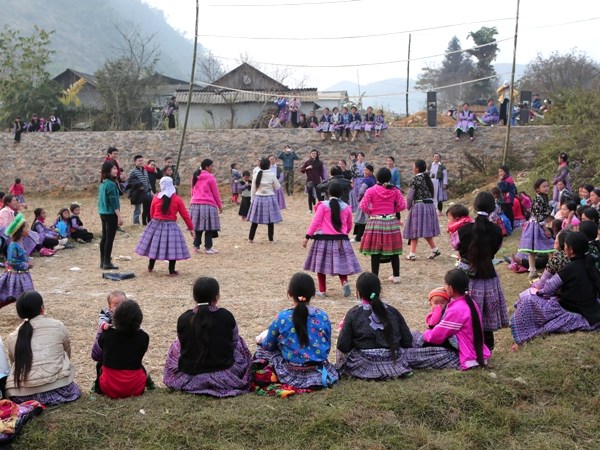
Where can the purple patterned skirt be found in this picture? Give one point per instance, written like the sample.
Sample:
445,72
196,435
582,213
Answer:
536,316
66,394
332,257
420,357
489,296
422,222
264,209
353,200
280,198
534,240
13,284
163,240
205,217
373,364
31,242
300,377
223,383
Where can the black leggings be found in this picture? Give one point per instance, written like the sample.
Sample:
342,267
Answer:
394,259
508,212
109,231
359,230
172,262
270,231
49,242
311,198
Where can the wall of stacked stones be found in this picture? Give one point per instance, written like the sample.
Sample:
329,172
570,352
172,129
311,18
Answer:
70,161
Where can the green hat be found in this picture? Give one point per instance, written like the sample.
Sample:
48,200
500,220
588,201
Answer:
15,225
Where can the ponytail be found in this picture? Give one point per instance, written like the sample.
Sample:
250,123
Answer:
206,291
29,305
166,203
258,178
300,318
265,164
195,176
481,248
301,288
428,182
477,330
336,219
381,312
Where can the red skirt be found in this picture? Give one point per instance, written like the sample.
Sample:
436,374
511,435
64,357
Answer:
116,383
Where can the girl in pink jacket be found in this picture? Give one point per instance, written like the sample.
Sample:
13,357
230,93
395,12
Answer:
331,252
463,320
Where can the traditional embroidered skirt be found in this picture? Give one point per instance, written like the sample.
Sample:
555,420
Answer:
332,257
223,383
122,383
360,217
323,375
31,242
205,217
236,187
382,236
489,296
66,394
353,200
264,209
373,364
244,207
536,316
280,198
13,284
163,240
422,222
534,240
420,357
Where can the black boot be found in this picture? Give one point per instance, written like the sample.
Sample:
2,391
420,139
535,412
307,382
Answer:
108,265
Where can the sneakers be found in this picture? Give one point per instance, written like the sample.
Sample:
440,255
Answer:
58,247
197,250
411,257
321,294
393,279
533,275
211,251
346,289
434,253
63,241
46,252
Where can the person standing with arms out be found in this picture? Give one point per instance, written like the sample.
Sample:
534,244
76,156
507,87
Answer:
109,208
439,177
140,191
422,220
288,156
205,207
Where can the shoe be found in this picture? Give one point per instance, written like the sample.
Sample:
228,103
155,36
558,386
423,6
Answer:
471,139
346,289
434,253
393,279
457,139
63,241
46,252
354,241
197,250
533,275
321,294
507,259
411,257
121,229
211,251
58,247
250,241
81,241
150,270
109,266
174,274
68,245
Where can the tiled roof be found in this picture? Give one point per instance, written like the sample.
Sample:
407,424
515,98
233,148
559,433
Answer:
228,97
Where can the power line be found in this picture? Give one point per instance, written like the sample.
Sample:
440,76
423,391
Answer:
269,38
270,5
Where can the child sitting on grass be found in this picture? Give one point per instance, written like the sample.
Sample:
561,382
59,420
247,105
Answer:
78,232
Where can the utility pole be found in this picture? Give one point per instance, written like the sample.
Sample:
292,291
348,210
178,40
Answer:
510,88
408,73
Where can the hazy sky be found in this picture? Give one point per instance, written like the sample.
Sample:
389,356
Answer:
293,27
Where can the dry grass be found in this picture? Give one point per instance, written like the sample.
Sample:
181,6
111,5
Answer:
545,396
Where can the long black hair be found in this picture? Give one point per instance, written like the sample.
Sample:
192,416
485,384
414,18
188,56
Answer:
580,245
481,247
165,204
264,165
368,287
128,317
536,186
421,166
29,305
459,281
205,291
335,191
301,288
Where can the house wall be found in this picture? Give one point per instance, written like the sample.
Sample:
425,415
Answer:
70,161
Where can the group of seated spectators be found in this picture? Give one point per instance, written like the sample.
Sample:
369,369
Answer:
35,125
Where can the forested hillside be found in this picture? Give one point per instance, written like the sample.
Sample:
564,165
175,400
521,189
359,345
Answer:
86,35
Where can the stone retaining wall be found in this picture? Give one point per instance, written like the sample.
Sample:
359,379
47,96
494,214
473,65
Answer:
70,161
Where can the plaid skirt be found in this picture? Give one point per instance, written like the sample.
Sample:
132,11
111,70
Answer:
223,383
66,394
420,357
373,364
489,296
264,209
332,257
13,284
422,222
534,240
382,237
205,217
31,242
163,240
280,198
323,375
537,316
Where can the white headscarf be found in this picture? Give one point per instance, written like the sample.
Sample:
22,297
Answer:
166,187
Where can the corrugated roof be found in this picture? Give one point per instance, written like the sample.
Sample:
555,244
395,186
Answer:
229,97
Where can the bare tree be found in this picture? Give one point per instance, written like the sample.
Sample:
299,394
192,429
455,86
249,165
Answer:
209,67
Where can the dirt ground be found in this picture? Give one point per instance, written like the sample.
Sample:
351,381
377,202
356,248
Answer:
253,280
